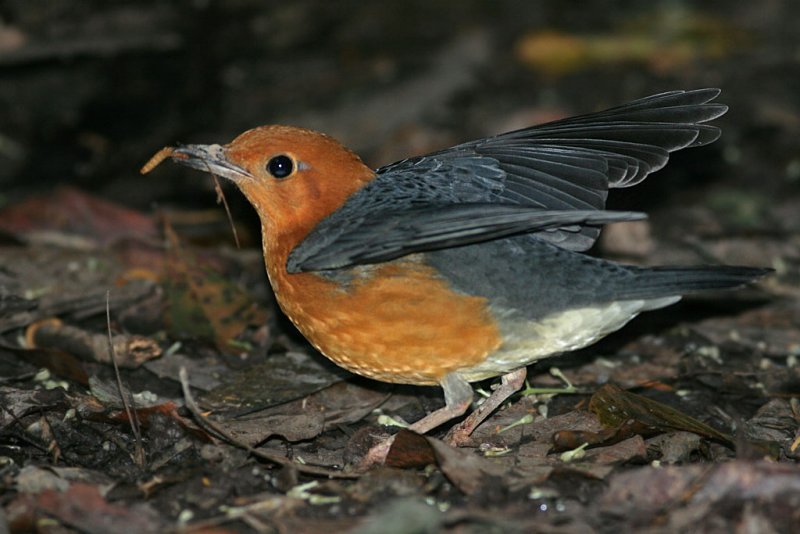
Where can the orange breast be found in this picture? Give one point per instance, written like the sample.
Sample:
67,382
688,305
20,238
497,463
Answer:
398,323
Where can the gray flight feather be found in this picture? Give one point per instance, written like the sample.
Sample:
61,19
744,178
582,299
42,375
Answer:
526,181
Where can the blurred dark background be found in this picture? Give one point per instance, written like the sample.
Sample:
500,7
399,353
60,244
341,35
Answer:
90,89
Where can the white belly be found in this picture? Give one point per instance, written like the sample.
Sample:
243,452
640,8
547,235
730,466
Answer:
526,341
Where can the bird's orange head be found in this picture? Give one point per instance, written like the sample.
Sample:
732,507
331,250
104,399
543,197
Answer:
292,176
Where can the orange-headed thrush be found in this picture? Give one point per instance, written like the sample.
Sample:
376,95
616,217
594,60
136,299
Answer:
465,263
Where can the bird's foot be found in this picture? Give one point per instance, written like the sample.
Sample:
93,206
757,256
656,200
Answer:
460,435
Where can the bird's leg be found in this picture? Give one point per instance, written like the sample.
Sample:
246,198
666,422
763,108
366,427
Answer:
509,384
457,398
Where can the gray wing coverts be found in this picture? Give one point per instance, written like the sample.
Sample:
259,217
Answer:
551,180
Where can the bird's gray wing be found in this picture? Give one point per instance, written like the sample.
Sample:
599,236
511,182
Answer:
522,181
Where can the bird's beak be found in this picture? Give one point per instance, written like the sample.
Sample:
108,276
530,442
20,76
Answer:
210,158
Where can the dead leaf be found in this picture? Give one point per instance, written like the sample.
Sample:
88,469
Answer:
465,469
79,506
410,450
665,486
202,303
631,449
255,430
280,379
674,447
60,363
620,409
70,211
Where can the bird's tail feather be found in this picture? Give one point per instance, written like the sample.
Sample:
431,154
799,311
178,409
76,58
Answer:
665,281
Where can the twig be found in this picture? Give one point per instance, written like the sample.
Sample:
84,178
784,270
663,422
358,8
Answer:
221,198
133,418
131,351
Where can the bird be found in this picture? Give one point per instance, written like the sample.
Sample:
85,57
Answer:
470,262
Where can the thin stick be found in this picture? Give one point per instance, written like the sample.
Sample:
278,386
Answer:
133,417
221,198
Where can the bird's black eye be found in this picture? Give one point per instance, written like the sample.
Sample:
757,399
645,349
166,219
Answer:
280,166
